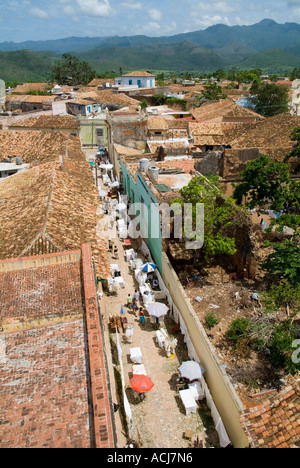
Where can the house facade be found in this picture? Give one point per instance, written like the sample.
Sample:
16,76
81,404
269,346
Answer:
136,79
93,130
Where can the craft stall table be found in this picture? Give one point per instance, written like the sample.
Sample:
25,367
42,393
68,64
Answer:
139,369
147,295
161,337
188,401
115,323
196,390
120,281
136,355
114,268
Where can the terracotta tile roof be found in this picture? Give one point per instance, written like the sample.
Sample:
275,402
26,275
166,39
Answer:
51,208
274,132
276,422
45,371
171,144
156,123
29,98
178,124
52,370
48,280
37,147
26,87
285,83
126,151
168,123
106,96
210,133
139,73
100,81
217,111
48,121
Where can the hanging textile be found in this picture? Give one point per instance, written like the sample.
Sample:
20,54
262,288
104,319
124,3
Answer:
126,402
219,426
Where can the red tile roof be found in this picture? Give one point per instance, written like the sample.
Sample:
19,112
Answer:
276,422
53,379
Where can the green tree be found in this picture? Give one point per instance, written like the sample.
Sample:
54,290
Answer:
295,153
269,99
71,71
144,104
264,182
221,214
282,294
284,262
213,92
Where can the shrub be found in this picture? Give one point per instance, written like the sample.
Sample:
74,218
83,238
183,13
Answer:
238,329
212,320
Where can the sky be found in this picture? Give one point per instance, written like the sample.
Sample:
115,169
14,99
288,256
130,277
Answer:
23,20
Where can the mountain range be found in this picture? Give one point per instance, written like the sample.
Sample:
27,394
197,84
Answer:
268,45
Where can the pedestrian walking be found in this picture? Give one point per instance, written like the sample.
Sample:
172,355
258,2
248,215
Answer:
142,315
129,301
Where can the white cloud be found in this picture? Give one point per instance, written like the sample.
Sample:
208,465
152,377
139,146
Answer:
39,13
218,6
152,27
206,20
155,14
95,7
68,10
132,5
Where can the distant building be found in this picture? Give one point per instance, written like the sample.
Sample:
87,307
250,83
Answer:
138,79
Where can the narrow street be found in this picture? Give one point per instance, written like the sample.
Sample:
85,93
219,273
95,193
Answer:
159,421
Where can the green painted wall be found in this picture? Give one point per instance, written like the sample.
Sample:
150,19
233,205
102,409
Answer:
88,132
150,218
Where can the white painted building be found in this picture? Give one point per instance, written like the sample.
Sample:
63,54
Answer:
136,79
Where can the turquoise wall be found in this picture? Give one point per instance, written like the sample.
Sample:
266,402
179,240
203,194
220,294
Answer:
150,223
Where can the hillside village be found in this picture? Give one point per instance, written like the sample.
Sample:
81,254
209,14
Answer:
70,158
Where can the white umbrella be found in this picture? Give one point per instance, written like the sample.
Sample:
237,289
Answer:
191,370
157,309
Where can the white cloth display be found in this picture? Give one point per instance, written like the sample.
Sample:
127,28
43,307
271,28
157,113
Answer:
126,402
114,267
188,401
220,428
139,369
119,280
136,355
129,255
196,390
161,338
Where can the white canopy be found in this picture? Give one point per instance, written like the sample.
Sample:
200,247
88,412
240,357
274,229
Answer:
191,370
157,309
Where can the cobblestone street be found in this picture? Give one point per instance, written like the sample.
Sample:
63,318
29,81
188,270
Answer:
159,421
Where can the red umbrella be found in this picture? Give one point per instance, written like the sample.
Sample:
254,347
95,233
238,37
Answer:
141,383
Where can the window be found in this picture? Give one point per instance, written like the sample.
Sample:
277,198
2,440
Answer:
99,132
130,82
